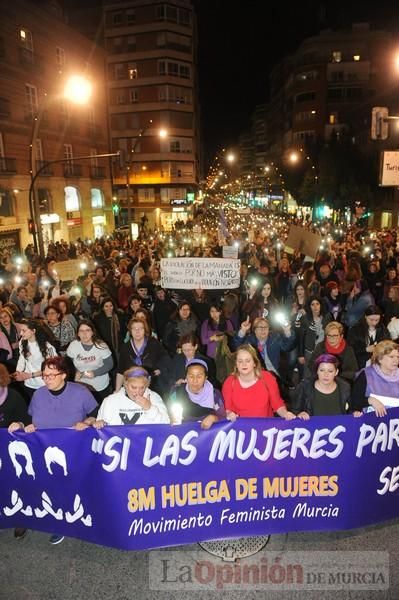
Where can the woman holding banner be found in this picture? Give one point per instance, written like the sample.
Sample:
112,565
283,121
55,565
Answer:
377,386
325,393
196,398
134,404
250,391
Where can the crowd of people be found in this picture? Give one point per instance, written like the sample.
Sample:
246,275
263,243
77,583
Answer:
298,338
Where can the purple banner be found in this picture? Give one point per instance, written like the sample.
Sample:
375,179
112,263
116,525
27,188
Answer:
151,486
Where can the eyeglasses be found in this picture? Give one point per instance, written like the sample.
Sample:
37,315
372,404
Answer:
51,375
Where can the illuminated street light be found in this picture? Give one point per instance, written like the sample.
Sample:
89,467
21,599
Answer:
230,157
294,157
78,90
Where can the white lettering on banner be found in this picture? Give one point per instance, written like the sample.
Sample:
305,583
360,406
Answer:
201,273
119,458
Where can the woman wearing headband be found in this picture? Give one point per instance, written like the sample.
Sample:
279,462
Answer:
196,398
133,404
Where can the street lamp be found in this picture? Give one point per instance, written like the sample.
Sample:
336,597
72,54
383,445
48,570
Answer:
78,90
162,133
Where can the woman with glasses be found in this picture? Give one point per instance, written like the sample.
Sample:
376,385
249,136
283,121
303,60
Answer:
377,386
335,344
62,330
92,360
143,350
59,403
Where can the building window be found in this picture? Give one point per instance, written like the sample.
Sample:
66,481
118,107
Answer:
44,200
117,18
117,44
68,152
146,194
337,76
184,16
305,97
119,71
184,71
134,95
356,57
131,43
132,70
120,97
60,56
336,56
130,16
26,39
6,203
175,146
31,100
97,198
332,119
93,159
72,200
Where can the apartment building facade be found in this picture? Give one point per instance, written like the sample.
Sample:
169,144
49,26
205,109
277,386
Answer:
152,91
39,52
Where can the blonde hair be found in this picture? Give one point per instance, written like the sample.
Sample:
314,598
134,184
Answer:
133,320
251,350
382,349
334,325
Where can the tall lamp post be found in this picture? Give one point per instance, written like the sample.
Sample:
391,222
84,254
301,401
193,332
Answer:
162,134
77,90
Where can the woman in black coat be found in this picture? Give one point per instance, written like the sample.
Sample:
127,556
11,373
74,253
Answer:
144,350
366,334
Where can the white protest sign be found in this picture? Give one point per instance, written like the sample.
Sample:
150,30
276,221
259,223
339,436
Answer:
230,252
200,273
68,270
389,168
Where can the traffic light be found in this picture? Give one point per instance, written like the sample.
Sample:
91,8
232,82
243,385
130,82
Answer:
31,226
379,123
115,208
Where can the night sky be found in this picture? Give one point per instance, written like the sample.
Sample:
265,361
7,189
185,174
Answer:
241,40
239,43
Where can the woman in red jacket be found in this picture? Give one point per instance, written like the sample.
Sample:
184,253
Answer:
250,391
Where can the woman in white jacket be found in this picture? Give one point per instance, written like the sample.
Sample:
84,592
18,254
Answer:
134,404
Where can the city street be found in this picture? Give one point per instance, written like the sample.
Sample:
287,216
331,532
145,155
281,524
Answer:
32,569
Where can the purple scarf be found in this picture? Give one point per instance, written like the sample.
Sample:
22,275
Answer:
139,353
3,394
205,397
381,384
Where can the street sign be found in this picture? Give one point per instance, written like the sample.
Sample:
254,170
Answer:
379,123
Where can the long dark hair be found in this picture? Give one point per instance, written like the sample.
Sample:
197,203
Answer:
97,341
42,336
213,325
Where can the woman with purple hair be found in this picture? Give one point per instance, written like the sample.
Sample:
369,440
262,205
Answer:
323,394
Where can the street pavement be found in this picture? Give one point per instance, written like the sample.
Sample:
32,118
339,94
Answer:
32,569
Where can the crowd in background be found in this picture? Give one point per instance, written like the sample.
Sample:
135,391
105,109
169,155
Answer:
300,337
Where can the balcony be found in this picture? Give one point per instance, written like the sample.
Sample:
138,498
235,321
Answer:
8,166
97,172
72,170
